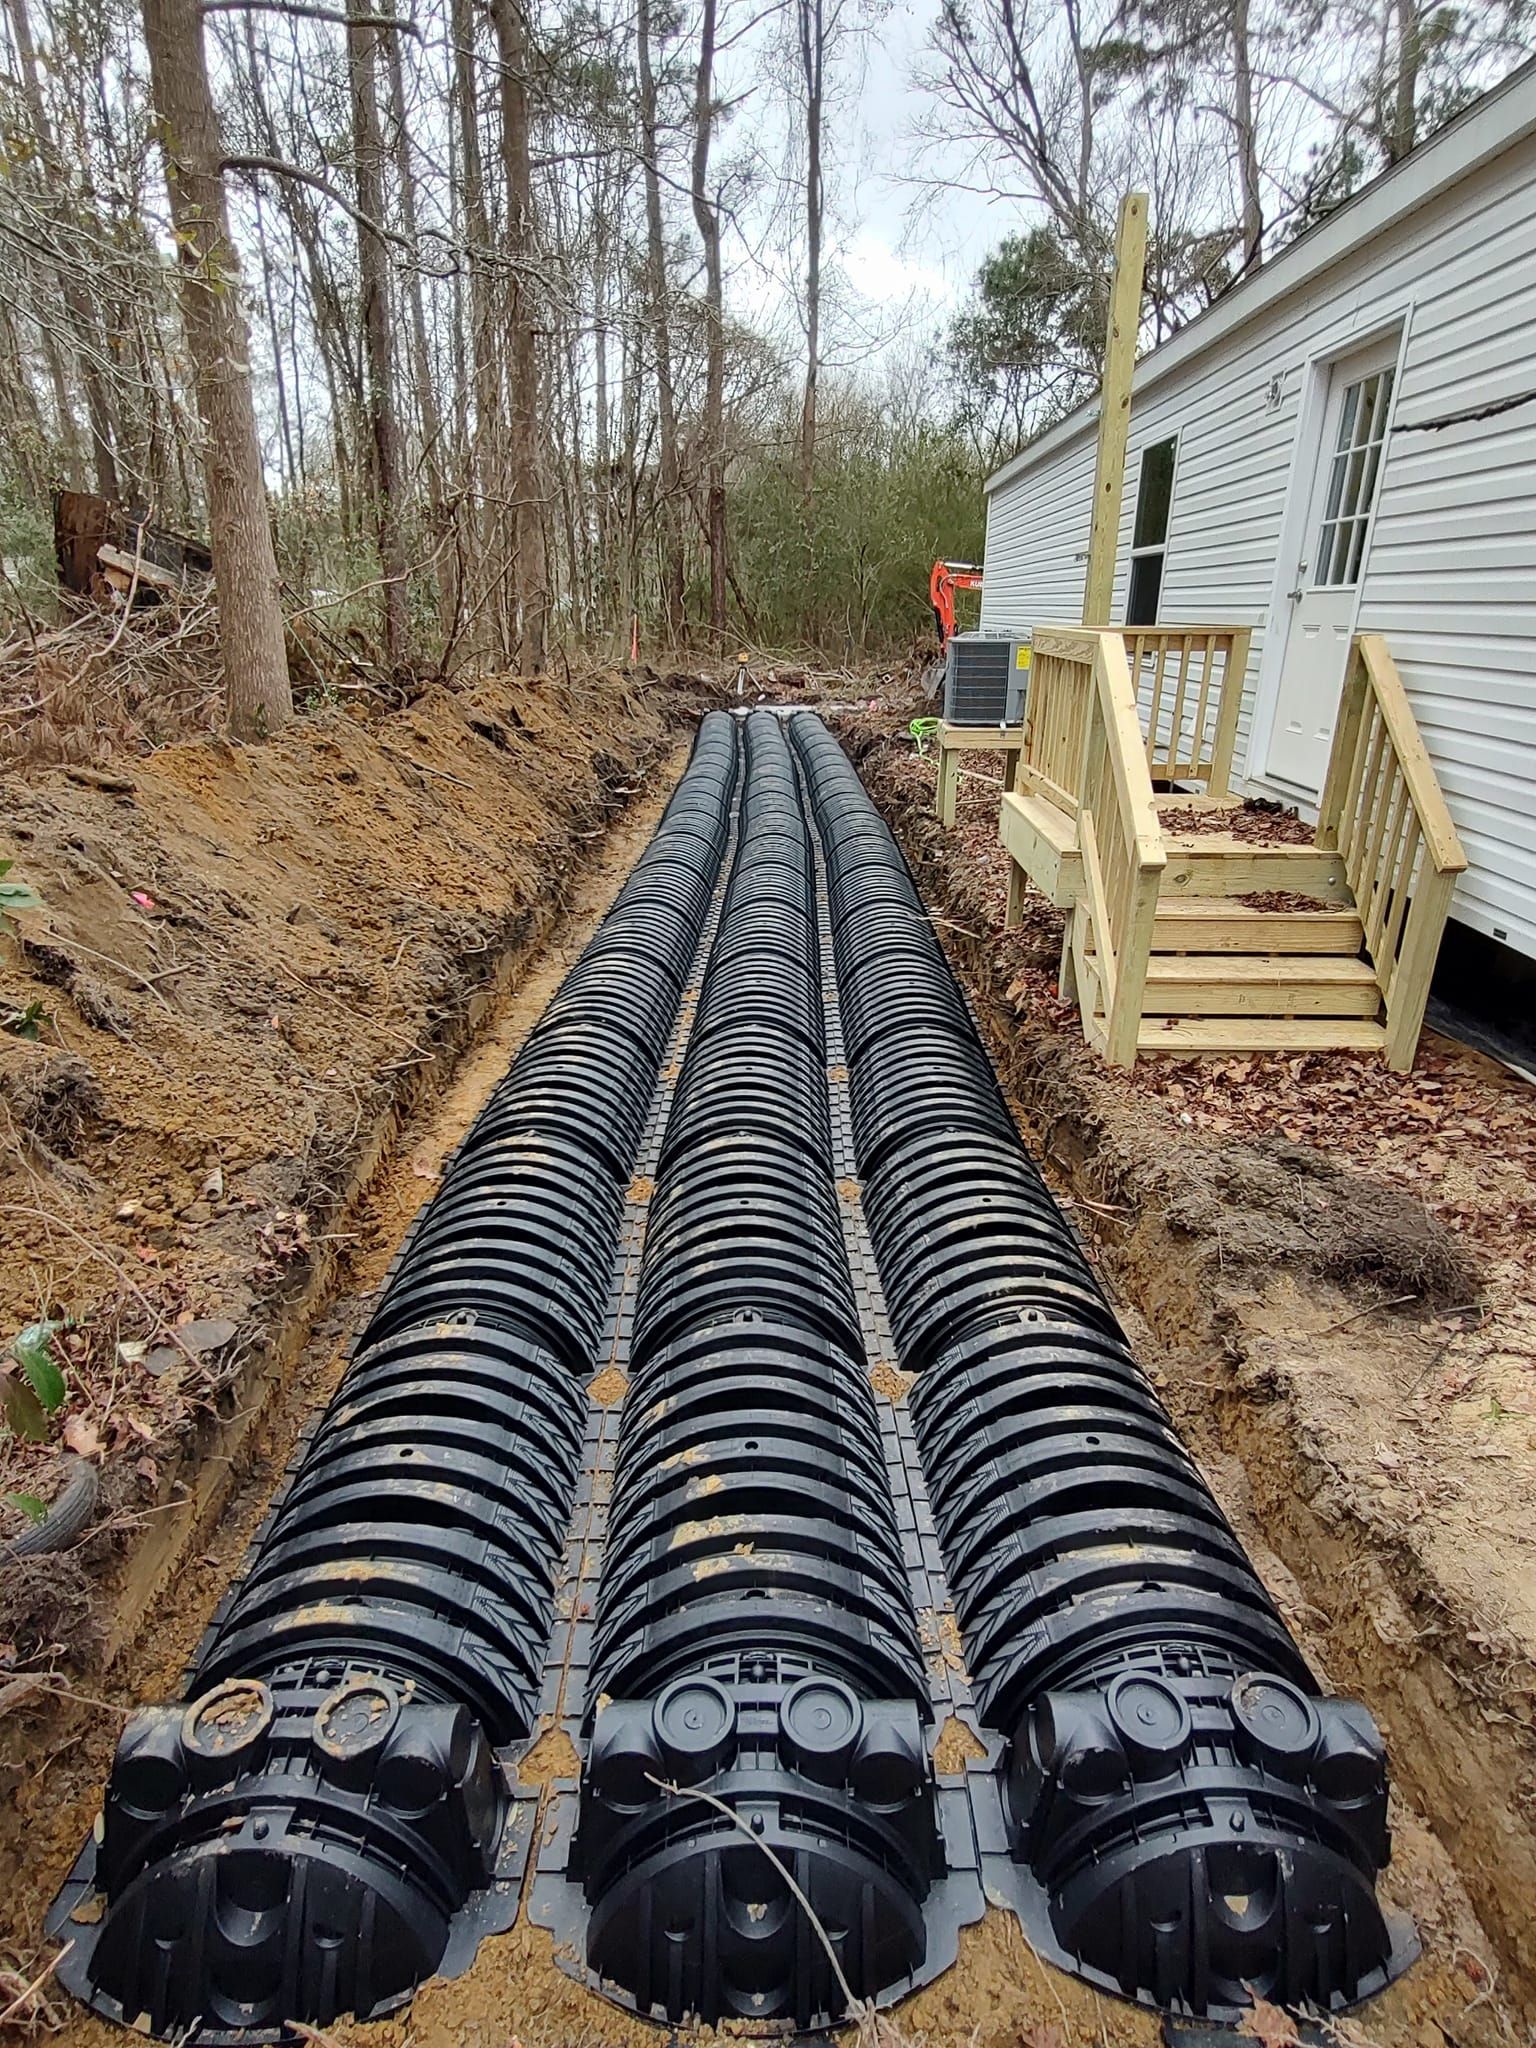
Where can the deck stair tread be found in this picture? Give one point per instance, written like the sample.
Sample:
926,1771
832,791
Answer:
1223,924
1222,845
1260,1034
1260,984
1260,970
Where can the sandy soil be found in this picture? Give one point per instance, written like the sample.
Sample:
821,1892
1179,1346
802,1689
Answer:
245,959
55,1757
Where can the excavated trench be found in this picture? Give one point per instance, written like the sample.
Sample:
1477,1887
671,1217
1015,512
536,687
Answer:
622,1484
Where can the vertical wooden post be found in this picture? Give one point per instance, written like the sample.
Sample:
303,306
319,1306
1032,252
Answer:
1017,884
1233,682
1341,754
1115,407
949,777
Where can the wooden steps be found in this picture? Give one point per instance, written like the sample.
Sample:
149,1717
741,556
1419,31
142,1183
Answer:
1166,947
1214,924
1185,1035
1220,864
1259,985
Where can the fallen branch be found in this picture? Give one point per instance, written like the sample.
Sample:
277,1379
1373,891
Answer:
442,773
1396,1301
305,12
31,1990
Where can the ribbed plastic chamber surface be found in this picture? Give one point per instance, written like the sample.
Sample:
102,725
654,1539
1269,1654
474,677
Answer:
753,1149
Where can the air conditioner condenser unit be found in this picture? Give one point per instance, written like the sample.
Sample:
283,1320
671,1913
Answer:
985,679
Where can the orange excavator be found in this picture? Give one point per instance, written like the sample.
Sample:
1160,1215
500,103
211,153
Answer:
946,580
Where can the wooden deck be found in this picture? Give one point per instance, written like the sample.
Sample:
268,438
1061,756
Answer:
1166,949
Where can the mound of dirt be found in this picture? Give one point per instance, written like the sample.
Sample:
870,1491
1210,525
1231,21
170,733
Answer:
245,961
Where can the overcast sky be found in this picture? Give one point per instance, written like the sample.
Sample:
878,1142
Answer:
903,241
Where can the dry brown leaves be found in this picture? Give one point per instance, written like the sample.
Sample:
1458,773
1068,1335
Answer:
1269,2024
1253,821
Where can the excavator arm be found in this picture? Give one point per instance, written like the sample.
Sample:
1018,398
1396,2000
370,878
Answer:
946,580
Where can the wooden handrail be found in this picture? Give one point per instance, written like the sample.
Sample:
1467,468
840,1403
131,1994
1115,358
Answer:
1193,680
1109,943
1383,812
1127,751
1441,840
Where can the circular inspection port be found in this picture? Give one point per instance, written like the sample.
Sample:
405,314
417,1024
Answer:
821,1719
228,1720
694,1720
1276,1723
1150,1718
356,1719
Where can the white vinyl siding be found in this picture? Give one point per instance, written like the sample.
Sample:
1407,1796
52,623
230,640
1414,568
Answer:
1450,575
1037,547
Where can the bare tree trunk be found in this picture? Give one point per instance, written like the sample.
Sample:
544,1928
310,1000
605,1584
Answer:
275,343
811,24
258,696
707,219
1247,138
531,578
485,638
628,484
421,355
1406,94
77,303
373,269
669,509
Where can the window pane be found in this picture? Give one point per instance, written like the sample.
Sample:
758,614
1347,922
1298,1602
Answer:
1354,471
1348,416
1146,588
1325,541
1380,396
1369,480
1356,552
1354,478
1154,494
1332,550
1388,380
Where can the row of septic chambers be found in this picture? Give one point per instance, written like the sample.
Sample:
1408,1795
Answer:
329,1815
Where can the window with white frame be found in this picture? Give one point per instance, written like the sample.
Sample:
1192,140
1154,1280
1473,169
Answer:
1149,534
1352,478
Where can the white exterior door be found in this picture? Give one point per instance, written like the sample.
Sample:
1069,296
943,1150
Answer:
1341,492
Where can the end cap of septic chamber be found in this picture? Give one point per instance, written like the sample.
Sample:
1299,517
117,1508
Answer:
276,1852
1200,1839
690,1910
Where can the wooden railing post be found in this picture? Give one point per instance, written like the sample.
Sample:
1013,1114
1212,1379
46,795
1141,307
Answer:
1233,682
1341,754
1423,930
1133,836
948,781
1383,812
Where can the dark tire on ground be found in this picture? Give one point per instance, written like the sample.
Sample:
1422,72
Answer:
69,1514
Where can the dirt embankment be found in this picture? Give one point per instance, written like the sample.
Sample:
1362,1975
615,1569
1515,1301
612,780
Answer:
249,966
1336,1267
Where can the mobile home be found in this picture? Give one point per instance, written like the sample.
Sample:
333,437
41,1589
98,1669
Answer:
1345,443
